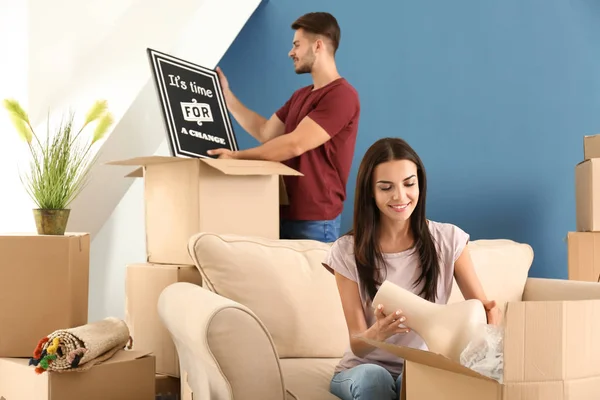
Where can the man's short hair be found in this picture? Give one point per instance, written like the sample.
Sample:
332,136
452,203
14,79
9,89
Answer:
320,23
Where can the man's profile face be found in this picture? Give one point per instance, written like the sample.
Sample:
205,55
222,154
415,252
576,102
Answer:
302,53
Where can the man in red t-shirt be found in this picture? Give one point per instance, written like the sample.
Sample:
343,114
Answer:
314,132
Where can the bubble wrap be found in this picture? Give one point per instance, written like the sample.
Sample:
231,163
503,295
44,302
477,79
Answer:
485,353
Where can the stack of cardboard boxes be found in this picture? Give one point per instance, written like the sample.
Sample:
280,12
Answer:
184,196
44,287
583,245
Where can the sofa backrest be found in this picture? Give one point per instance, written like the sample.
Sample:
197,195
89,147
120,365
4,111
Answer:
284,283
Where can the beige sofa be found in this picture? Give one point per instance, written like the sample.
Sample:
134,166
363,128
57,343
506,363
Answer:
268,323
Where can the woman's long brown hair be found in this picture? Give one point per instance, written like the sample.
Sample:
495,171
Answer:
367,252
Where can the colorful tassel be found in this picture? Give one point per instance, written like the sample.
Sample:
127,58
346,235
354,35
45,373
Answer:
36,361
54,346
75,353
44,363
76,360
37,353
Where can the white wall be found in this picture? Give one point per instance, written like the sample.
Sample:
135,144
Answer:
100,52
15,205
197,31
121,239
107,272
65,54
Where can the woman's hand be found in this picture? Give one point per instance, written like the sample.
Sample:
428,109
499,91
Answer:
494,316
387,325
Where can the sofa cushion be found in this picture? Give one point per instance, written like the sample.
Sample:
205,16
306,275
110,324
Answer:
502,267
308,378
283,282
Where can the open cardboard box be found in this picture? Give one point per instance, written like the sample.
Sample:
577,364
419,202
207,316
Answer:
551,351
184,196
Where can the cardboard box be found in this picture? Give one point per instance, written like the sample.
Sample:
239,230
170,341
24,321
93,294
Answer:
128,375
170,388
184,196
144,284
550,352
587,195
167,388
591,147
583,254
43,287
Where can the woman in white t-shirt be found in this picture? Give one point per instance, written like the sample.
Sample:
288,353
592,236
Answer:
392,239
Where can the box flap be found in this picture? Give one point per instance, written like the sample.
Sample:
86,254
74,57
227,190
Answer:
250,167
155,266
591,146
426,358
543,289
141,161
34,234
136,173
593,161
127,355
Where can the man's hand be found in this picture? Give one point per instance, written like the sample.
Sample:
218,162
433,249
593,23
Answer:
223,80
222,153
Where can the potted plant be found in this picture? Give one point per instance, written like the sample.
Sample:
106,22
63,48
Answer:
60,164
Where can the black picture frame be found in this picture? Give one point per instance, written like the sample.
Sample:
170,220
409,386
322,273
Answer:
193,106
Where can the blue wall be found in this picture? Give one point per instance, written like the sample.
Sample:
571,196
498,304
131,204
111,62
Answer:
494,95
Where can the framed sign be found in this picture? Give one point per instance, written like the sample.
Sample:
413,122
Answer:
193,106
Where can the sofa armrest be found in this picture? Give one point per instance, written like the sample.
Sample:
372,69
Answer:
222,345
542,289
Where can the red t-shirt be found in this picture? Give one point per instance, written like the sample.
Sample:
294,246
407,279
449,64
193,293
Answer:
320,193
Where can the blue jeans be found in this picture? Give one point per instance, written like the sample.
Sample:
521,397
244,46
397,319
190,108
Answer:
366,382
324,231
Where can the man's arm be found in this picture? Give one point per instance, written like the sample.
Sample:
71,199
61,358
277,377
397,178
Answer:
307,136
258,126
331,115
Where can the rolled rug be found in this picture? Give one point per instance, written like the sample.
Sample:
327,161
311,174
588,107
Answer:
80,348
